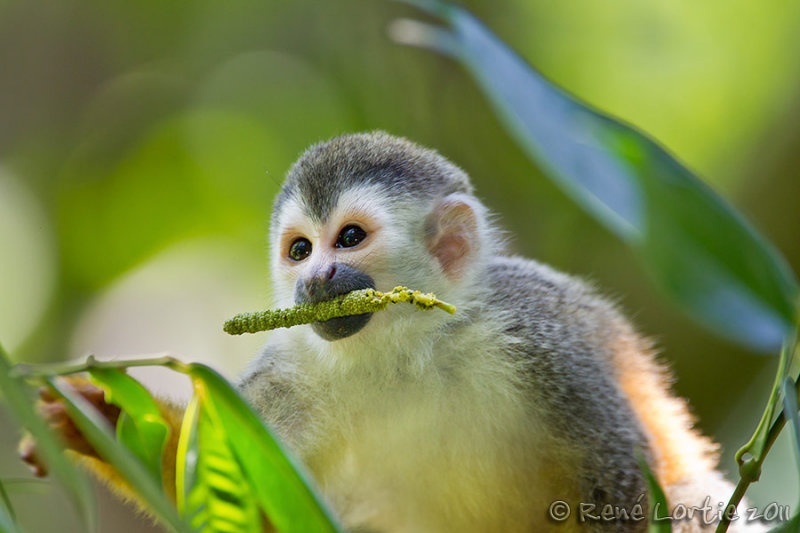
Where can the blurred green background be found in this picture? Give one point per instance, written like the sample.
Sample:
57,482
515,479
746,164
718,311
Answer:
141,144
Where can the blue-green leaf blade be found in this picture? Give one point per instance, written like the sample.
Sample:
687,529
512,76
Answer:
697,248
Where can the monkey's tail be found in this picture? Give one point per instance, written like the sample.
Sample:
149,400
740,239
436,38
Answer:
683,460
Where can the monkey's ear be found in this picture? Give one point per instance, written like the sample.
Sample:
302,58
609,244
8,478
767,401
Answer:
453,234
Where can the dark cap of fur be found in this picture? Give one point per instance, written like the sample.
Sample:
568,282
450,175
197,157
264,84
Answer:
404,169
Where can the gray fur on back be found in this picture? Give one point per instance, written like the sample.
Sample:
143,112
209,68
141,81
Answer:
566,332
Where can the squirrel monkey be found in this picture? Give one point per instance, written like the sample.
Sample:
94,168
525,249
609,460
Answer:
536,391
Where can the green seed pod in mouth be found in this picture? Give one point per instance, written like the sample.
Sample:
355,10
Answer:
352,303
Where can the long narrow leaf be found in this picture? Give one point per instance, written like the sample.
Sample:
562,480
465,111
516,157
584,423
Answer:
7,523
221,499
8,520
141,426
284,491
5,502
697,248
757,444
790,411
186,461
656,499
18,398
97,431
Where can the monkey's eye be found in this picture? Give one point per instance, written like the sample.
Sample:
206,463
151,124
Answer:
300,249
350,236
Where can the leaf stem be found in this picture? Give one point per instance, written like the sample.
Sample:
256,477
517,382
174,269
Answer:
63,369
746,481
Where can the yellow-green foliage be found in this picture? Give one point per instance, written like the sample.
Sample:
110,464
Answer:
352,303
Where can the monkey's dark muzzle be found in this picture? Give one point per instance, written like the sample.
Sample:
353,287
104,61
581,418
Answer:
328,283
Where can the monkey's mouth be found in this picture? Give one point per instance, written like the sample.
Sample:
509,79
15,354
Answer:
320,289
339,328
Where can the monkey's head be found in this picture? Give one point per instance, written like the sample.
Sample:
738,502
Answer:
373,211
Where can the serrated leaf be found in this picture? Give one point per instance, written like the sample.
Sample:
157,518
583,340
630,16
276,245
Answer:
282,488
96,430
698,249
141,427
18,397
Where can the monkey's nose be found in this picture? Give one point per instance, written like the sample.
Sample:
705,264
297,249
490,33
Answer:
316,286
330,281
327,283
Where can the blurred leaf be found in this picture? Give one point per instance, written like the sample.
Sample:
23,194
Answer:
790,526
220,498
97,431
283,490
24,485
656,499
109,221
698,249
7,523
8,520
141,426
790,411
17,396
757,445
5,503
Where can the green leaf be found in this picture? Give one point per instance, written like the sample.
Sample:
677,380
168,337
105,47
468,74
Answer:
8,520
186,460
221,499
141,426
756,446
97,431
5,503
656,498
283,490
790,411
696,246
18,397
790,526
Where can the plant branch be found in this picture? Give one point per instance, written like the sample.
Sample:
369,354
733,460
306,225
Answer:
755,463
63,369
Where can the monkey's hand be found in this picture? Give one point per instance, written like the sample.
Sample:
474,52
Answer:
55,413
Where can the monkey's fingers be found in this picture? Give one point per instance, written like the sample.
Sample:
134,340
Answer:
54,411
28,454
